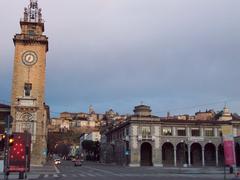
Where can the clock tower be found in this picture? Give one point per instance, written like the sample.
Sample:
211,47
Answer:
28,107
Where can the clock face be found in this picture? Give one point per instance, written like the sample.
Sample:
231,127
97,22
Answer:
29,58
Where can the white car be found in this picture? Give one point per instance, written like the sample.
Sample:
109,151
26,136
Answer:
57,161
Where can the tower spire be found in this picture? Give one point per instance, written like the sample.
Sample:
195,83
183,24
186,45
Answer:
33,13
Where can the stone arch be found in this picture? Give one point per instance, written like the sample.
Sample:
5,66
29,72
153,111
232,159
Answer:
182,153
168,153
210,154
146,154
196,154
237,153
220,155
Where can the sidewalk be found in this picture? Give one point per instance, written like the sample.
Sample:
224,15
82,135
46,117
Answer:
168,170
36,170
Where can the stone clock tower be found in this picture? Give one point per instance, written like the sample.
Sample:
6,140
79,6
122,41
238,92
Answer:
28,86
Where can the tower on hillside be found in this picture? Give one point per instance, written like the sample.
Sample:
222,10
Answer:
28,85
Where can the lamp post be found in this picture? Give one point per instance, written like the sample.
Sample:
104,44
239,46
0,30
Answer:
8,124
26,131
224,165
184,153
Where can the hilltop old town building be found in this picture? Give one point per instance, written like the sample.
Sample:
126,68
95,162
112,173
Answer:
145,139
28,108
81,122
78,122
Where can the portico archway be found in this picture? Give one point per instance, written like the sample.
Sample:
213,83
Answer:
146,154
220,155
196,154
168,154
182,154
237,154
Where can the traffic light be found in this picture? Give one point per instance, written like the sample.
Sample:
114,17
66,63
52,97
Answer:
2,141
11,140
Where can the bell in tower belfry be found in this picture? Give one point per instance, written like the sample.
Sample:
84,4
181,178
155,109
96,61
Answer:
28,107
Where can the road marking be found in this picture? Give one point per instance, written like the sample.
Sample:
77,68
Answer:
56,169
64,175
82,175
101,170
46,175
55,175
89,174
97,174
74,175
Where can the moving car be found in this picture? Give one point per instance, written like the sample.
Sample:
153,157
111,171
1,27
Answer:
57,161
78,162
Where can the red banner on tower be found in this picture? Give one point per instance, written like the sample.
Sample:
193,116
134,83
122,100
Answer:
229,153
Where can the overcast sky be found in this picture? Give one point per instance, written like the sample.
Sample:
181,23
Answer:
174,55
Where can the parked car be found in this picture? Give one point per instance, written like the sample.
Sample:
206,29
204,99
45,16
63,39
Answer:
57,161
78,162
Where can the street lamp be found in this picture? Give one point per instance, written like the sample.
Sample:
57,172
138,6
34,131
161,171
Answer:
26,131
184,153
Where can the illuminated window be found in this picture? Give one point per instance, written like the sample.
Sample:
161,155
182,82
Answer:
167,131
146,132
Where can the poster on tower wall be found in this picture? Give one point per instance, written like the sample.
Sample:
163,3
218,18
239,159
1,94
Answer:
228,144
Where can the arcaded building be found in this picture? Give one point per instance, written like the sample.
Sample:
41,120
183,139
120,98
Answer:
145,139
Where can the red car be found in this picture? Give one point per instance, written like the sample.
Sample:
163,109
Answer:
78,162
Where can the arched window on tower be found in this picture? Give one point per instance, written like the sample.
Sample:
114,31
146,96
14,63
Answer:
27,89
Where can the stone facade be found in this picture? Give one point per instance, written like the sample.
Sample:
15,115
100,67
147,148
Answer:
4,113
144,139
28,85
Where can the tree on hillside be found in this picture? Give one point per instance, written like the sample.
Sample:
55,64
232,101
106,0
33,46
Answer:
92,149
63,149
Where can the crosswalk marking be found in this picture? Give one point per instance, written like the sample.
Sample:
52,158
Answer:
89,174
97,174
82,175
